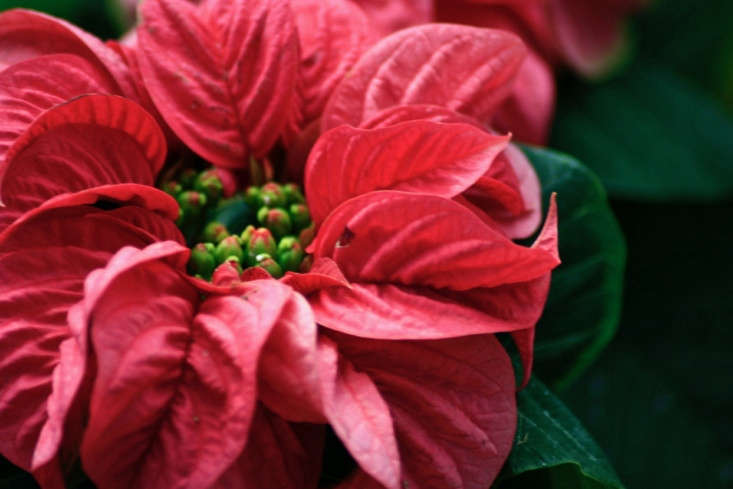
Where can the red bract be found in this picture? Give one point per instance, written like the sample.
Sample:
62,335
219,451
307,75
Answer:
157,379
175,399
418,74
55,62
586,35
419,284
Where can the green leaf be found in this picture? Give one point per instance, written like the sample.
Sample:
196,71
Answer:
583,307
552,449
98,17
66,9
650,136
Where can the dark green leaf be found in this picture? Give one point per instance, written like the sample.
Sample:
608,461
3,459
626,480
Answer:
100,17
552,450
700,48
650,136
585,296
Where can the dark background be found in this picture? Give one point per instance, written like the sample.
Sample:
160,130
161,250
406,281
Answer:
659,399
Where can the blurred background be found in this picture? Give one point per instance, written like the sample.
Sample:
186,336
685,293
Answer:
659,133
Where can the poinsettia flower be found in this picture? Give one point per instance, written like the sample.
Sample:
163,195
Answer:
122,346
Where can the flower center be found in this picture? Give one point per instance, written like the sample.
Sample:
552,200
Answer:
265,226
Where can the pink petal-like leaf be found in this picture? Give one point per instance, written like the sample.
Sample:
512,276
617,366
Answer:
423,267
452,402
223,74
288,382
415,156
392,15
276,457
333,34
509,193
465,69
29,87
27,34
414,112
44,259
527,112
175,391
412,239
358,415
90,141
324,273
591,37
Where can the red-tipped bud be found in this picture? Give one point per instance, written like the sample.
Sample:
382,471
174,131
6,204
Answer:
272,195
202,261
253,197
229,247
300,215
214,232
289,253
293,195
264,260
209,183
278,221
246,235
172,188
192,203
261,241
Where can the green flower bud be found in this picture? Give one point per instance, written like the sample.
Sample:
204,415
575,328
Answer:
289,253
262,214
300,215
192,203
265,261
246,234
272,195
209,183
180,218
172,188
253,197
293,195
278,221
202,261
306,235
187,177
261,241
214,232
229,247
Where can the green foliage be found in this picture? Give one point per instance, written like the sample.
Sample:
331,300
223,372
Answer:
659,399
101,17
585,296
650,136
552,450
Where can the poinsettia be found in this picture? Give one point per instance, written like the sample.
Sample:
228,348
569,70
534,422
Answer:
153,377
